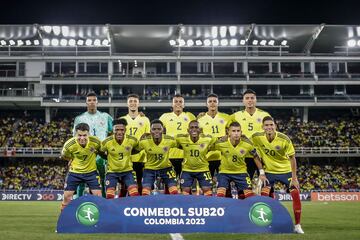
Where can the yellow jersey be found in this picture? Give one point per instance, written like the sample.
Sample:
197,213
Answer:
157,155
233,158
119,156
175,125
216,127
250,124
275,154
195,153
83,158
136,128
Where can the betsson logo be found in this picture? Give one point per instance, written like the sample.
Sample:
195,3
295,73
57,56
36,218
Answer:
335,196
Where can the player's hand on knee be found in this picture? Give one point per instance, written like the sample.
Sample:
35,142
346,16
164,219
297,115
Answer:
294,182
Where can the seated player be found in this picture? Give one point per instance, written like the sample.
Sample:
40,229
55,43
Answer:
81,151
157,147
234,148
195,164
118,149
278,155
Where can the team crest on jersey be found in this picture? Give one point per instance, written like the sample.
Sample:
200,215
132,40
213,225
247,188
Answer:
259,120
186,119
113,150
206,123
141,124
242,151
102,123
277,147
202,145
187,145
92,149
127,148
166,149
222,121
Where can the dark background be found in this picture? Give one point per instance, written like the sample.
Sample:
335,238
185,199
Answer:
180,11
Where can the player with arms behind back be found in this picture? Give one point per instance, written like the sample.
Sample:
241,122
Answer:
250,120
100,124
176,122
81,151
138,124
278,155
213,123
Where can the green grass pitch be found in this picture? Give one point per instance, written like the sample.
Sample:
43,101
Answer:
37,220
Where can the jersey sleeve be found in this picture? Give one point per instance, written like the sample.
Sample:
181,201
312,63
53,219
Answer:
191,116
290,150
110,125
147,125
65,152
103,147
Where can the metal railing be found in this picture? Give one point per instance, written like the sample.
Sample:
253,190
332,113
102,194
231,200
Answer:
300,152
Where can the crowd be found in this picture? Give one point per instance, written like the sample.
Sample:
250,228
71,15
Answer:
326,133
36,174
37,134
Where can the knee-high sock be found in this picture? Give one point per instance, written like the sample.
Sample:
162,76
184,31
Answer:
173,190
295,194
221,192
146,191
133,190
110,193
249,193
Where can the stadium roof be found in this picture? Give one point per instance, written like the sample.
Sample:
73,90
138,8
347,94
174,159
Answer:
299,39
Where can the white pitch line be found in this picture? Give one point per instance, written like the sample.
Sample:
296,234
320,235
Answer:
176,236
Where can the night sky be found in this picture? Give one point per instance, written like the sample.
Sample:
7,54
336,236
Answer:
180,11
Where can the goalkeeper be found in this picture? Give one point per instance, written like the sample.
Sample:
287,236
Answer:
100,126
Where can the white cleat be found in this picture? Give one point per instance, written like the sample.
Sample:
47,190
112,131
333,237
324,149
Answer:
298,229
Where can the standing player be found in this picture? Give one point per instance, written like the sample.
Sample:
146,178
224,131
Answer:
195,164
234,149
278,155
81,151
100,124
118,149
250,120
177,122
213,123
137,126
157,147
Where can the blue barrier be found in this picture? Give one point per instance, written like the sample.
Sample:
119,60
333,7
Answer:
174,214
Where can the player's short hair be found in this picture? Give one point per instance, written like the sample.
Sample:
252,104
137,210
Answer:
120,121
82,127
192,121
91,94
156,121
249,91
234,124
132,95
268,118
212,95
178,96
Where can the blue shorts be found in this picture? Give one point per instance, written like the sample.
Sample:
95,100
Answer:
128,178
187,179
73,180
284,178
242,181
168,176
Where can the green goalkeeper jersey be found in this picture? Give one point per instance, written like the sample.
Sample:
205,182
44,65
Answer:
100,123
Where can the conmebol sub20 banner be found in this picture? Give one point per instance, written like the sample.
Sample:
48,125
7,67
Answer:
174,214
